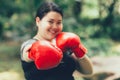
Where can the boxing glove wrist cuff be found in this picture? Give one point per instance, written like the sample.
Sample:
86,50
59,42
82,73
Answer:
80,51
81,57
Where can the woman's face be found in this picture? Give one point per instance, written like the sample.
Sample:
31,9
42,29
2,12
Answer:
50,25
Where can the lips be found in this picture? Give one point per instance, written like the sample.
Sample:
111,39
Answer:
53,32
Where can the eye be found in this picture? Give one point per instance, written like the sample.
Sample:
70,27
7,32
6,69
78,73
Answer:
59,23
51,22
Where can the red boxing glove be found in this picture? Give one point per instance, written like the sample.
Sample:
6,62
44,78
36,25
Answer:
45,55
70,41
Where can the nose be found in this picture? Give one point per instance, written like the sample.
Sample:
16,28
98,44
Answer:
55,26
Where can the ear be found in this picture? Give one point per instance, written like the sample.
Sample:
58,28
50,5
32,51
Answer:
37,20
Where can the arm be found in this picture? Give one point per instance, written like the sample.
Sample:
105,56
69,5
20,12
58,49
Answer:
70,41
84,65
44,54
25,53
25,47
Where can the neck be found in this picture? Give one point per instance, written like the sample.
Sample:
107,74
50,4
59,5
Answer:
38,37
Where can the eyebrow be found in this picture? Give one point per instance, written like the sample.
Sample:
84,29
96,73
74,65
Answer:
53,19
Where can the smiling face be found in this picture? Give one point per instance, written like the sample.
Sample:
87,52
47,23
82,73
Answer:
49,26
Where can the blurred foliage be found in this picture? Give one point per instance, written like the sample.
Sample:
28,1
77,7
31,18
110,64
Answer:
96,18
95,21
101,47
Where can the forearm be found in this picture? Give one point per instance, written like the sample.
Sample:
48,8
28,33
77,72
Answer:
25,52
84,65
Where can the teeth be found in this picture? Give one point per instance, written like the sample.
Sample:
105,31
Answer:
52,31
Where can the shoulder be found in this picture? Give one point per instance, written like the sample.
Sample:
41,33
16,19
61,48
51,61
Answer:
27,42
30,41
25,46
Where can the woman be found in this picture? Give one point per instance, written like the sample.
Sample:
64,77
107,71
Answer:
49,24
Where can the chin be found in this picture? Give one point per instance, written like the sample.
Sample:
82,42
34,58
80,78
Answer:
50,38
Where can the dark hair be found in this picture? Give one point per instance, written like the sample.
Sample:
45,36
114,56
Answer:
46,7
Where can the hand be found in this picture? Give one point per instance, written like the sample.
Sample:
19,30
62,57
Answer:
70,41
45,55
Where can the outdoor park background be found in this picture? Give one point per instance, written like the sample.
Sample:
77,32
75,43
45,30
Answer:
97,22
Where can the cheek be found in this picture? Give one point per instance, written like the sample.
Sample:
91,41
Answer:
60,28
44,26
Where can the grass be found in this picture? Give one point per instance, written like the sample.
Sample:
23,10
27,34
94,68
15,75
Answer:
9,49
9,58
